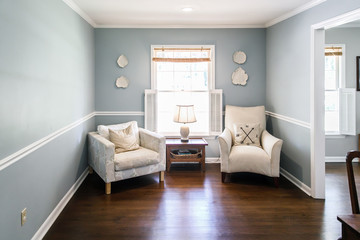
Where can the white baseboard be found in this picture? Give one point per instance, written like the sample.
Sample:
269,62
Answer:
335,159
295,181
58,209
212,160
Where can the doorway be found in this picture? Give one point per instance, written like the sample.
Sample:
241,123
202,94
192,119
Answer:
317,96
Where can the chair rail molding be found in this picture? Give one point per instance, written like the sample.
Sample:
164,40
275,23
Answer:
288,119
119,113
7,161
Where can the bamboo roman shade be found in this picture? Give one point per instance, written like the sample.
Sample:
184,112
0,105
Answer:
333,51
181,55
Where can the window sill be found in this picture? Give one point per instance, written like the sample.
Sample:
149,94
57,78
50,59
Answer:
334,136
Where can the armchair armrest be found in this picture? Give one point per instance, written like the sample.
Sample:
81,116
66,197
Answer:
101,156
272,146
225,142
153,141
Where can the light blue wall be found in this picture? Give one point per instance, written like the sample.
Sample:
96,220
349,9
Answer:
46,83
350,37
135,44
288,79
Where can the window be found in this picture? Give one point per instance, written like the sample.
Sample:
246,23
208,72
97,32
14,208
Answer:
333,81
183,75
339,101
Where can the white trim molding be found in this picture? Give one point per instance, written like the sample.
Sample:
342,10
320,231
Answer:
339,20
281,18
7,161
334,136
294,12
288,119
60,207
337,159
183,26
80,12
306,189
119,113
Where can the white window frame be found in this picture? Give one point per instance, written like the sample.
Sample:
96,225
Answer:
347,124
212,64
340,83
215,95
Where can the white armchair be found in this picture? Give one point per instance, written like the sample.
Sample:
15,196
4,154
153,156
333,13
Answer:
112,166
263,160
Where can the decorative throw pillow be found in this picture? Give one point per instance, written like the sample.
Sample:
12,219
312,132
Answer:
103,130
124,139
247,134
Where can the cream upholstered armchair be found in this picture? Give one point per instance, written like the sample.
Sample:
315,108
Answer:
246,146
113,165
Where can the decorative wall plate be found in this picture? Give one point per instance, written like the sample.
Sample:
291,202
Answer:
239,77
122,61
239,57
122,82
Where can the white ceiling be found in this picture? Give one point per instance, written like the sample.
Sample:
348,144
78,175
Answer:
206,13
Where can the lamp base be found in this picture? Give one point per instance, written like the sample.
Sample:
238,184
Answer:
184,132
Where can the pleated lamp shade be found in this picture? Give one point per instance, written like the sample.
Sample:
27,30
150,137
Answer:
184,114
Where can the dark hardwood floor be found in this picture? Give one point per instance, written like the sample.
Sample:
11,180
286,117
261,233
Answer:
195,205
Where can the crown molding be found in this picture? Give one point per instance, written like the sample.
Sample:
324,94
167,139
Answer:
290,14
294,12
79,11
182,26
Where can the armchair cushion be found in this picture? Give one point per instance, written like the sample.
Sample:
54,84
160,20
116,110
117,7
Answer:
124,139
134,159
249,159
247,134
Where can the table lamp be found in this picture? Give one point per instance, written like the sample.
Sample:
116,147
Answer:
184,114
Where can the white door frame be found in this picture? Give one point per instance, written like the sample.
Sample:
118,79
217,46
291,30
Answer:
317,112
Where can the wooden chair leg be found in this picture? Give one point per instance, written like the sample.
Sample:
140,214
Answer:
276,181
161,176
108,188
223,177
91,170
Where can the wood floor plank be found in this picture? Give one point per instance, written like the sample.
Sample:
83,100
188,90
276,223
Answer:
191,204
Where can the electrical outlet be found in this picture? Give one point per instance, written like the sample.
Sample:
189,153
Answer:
23,217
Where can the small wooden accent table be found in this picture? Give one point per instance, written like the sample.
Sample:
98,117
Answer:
350,226
193,143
